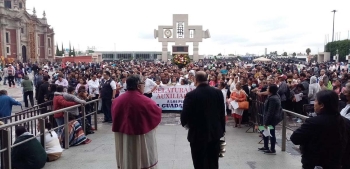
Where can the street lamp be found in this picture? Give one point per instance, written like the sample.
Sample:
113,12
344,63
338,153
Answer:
334,11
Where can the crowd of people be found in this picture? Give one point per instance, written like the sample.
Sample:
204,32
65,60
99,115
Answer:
286,86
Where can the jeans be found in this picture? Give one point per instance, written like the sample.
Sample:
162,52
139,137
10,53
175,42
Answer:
59,121
31,98
106,109
11,80
272,140
18,81
5,78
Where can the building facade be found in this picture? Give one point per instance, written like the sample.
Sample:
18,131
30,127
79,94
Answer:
24,37
131,55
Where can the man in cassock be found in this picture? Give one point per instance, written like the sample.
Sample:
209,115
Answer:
135,118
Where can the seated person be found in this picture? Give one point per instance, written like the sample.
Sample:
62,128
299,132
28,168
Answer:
76,133
29,155
52,144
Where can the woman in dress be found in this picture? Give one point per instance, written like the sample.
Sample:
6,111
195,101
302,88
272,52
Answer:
238,95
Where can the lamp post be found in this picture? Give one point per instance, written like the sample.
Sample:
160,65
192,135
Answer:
334,11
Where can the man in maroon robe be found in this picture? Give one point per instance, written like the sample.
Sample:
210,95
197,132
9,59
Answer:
135,118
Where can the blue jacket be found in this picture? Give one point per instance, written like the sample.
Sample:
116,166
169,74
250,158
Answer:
6,105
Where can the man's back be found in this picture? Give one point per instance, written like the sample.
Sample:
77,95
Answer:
204,114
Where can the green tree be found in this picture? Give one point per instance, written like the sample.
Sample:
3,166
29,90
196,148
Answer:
294,54
62,50
73,52
58,53
308,51
285,54
342,46
219,54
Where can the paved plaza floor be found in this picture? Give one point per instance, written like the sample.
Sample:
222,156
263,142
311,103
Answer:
174,151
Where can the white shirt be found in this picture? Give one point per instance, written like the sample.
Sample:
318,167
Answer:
344,111
112,84
123,89
64,83
149,85
94,86
52,144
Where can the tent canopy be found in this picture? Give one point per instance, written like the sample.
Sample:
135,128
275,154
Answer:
262,59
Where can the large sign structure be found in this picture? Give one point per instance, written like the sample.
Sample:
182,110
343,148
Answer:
180,33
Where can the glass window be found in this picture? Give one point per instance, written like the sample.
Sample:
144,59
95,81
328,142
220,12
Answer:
7,37
20,5
8,4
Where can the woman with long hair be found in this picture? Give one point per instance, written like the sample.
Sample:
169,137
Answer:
325,139
82,82
52,144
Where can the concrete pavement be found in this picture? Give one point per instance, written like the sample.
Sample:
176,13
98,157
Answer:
174,151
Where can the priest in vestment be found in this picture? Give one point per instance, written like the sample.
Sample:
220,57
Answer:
135,118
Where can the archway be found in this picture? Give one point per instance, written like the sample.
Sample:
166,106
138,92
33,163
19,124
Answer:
24,53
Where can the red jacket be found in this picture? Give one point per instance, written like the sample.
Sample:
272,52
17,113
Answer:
60,103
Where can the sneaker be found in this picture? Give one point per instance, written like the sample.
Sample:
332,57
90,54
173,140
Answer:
270,152
263,149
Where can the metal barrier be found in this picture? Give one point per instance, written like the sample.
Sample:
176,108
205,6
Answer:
256,110
285,127
27,113
6,130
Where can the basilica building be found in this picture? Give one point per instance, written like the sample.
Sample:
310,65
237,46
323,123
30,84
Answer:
24,37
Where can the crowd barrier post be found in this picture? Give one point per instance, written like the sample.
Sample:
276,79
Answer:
42,131
83,124
66,130
284,131
95,114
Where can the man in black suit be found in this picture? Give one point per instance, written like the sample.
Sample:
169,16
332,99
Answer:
204,114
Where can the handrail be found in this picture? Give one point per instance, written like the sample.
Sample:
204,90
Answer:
295,114
284,126
43,115
6,130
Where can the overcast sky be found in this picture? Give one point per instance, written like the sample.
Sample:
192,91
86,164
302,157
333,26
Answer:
235,26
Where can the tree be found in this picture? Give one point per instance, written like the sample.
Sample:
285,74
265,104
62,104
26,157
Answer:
294,54
62,50
342,46
285,54
73,52
219,54
58,53
308,51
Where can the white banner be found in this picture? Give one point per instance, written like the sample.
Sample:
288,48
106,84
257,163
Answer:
171,97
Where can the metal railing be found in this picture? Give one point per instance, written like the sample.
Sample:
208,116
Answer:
287,113
6,133
27,113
